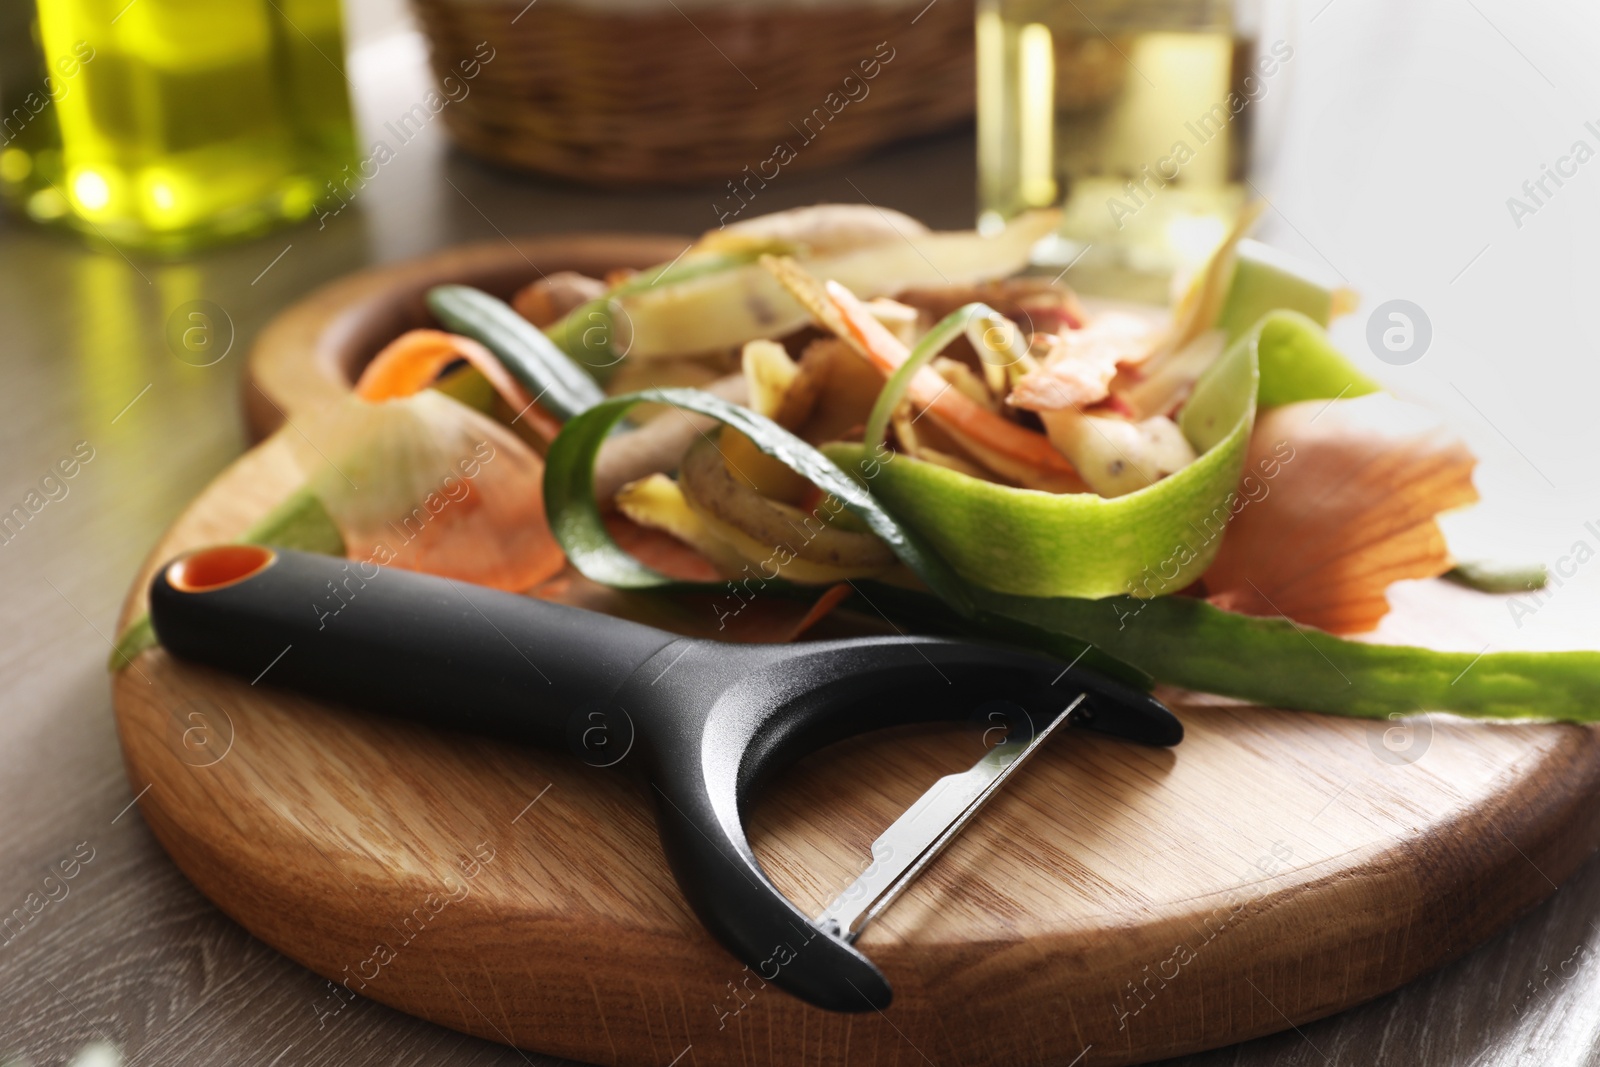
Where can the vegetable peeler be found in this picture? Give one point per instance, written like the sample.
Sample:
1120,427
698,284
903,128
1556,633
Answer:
707,722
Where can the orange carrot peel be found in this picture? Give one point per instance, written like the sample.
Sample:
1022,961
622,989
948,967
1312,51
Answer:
1011,450
414,360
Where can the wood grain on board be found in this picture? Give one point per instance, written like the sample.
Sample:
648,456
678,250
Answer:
1114,901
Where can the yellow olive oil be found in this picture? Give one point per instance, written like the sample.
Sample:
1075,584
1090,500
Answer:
167,125
1133,115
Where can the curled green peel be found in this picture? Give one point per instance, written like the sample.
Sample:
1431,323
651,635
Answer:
1299,362
1268,279
575,516
932,343
1147,543
562,386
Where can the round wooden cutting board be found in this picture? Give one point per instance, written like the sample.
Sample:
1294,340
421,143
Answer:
1114,904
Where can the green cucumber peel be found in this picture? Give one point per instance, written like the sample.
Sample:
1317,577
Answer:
1492,576
563,383
1147,543
1187,642
1268,279
583,335
575,516
1299,362
932,343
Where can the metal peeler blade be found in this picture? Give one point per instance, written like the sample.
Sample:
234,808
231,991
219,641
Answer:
927,827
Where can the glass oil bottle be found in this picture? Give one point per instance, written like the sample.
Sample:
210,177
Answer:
1134,116
167,125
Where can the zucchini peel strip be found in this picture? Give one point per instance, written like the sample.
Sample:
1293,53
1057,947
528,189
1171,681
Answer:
1180,641
1147,543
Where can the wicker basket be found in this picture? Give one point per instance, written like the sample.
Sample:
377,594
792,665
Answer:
641,95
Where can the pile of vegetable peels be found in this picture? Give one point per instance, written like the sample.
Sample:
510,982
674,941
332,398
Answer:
837,403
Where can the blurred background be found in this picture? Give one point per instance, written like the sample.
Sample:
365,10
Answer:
163,159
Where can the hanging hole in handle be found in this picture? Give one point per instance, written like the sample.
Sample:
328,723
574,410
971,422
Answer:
218,567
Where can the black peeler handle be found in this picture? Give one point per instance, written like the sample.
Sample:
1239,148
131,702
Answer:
444,653
714,721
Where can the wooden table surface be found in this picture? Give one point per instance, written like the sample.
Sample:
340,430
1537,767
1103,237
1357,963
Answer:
1406,134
